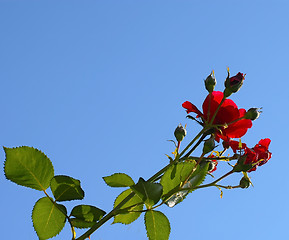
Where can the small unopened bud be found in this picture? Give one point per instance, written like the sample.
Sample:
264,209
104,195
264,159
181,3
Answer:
180,133
212,166
210,82
253,113
226,144
244,182
233,84
209,145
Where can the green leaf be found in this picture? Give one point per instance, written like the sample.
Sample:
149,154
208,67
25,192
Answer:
198,176
241,166
137,205
150,193
87,213
85,216
65,188
78,223
157,225
175,175
195,180
29,167
48,218
118,180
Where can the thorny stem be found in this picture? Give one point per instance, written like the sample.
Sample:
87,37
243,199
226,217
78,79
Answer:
108,216
192,142
197,144
216,181
113,212
227,187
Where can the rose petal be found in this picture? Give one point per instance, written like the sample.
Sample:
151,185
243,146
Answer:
191,108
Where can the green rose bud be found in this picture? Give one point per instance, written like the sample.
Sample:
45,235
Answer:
209,145
253,113
244,182
180,133
210,82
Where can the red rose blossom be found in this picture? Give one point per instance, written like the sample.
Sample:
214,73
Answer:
257,155
235,145
227,113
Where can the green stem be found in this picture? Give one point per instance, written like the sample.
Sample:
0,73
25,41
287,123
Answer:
192,142
227,187
107,217
205,185
215,158
196,145
217,110
236,120
113,212
54,203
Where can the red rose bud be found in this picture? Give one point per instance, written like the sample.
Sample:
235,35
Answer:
180,133
233,84
210,82
244,182
226,144
209,145
253,113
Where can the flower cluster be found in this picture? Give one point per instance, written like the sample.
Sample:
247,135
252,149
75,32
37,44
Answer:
226,121
256,156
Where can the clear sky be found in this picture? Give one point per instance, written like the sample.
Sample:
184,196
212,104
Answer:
98,87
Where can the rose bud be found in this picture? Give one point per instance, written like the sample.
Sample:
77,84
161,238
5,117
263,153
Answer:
180,133
253,113
212,166
209,145
244,182
233,84
210,82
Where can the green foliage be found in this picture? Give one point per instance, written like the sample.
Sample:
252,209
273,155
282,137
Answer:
28,167
134,204
65,188
175,175
78,223
157,225
241,166
119,180
198,176
86,216
48,218
150,193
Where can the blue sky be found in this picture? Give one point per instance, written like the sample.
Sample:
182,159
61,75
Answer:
98,87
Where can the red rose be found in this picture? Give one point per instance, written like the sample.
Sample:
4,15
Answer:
233,84
235,145
257,155
228,112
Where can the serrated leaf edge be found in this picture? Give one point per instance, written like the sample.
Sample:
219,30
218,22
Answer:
118,174
68,189
58,209
127,213
33,174
146,225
